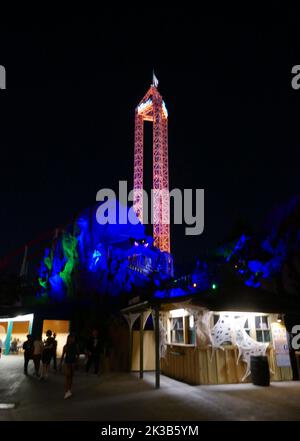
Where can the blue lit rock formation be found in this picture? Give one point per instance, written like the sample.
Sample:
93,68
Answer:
107,259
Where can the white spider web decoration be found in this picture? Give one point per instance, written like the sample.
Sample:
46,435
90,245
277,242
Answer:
247,346
202,319
163,335
231,329
222,331
163,339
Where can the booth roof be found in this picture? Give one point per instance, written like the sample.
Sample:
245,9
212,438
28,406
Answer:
238,298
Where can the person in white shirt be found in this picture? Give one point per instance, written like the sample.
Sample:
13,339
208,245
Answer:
38,347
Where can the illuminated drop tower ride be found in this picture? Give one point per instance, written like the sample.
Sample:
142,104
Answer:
153,109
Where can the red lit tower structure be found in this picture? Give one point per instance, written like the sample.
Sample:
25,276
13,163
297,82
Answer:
152,108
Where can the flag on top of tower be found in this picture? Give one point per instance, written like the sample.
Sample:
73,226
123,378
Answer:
154,80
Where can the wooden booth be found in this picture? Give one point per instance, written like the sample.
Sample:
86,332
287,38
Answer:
195,344
214,347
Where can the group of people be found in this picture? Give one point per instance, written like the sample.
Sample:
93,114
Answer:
15,346
39,351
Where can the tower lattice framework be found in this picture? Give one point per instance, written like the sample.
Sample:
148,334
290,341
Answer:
152,108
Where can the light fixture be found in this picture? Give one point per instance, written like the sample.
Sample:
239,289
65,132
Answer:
279,318
194,285
180,312
214,286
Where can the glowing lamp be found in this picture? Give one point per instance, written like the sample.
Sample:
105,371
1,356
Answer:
214,286
194,285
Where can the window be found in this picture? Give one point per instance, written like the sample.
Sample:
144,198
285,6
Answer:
177,335
216,318
182,329
262,329
191,333
247,327
256,325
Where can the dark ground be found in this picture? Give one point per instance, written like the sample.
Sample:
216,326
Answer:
125,397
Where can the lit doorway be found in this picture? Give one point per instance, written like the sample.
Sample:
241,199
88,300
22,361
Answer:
13,333
61,328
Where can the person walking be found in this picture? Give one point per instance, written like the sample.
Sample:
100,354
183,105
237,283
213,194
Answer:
93,352
28,352
54,354
70,357
47,354
14,346
37,354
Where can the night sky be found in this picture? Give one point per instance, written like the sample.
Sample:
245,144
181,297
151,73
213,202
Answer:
67,116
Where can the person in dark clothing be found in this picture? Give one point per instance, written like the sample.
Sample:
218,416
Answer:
70,357
14,346
28,352
93,352
54,355
47,354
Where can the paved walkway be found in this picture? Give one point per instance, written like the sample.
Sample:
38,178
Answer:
125,397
